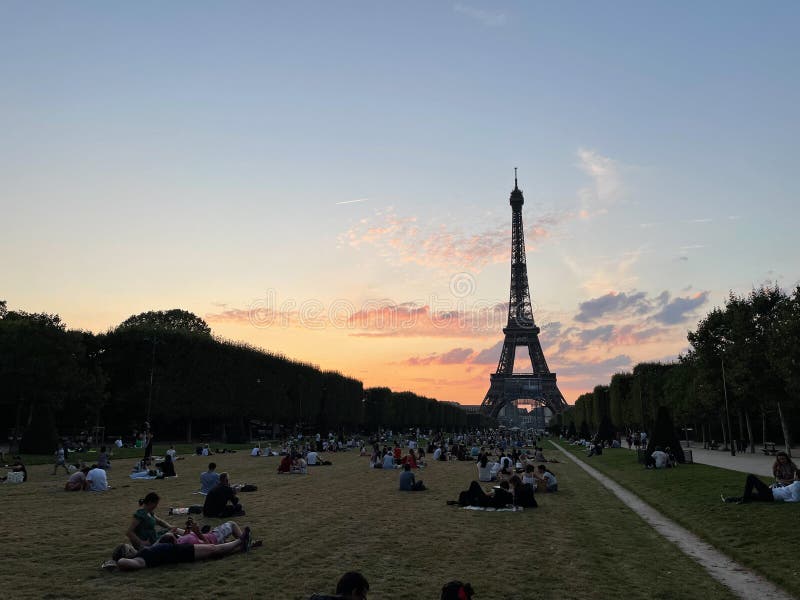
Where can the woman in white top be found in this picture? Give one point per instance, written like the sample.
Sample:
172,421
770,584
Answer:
485,469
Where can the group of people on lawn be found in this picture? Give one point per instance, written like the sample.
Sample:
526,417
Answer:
153,542
518,477
516,473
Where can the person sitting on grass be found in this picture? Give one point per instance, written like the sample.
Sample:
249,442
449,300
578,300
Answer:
658,459
397,453
285,466
388,460
455,590
523,493
485,472
142,529
209,479
17,466
102,459
408,482
299,465
538,455
530,475
96,479
126,558
783,469
77,481
167,467
410,459
375,460
221,502
756,490
672,461
546,475
256,451
437,453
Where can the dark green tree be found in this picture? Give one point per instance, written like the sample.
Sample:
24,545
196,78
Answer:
663,435
171,320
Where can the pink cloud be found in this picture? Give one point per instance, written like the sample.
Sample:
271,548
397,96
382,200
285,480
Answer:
403,240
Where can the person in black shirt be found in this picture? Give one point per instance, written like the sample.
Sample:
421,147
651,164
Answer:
523,493
221,502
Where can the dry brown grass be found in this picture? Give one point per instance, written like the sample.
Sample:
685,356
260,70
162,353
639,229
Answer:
579,543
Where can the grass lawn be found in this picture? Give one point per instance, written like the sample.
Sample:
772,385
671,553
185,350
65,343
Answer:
762,536
580,543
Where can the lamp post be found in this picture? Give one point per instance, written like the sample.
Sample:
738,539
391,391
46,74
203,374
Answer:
152,371
727,411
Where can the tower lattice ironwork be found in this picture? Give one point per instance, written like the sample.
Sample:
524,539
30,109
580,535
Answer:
506,387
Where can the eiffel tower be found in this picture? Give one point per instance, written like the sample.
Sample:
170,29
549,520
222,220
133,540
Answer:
540,386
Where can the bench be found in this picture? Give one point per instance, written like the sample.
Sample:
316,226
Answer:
769,448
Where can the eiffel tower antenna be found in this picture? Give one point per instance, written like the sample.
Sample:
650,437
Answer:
506,388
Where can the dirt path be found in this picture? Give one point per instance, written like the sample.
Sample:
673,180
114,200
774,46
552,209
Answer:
741,581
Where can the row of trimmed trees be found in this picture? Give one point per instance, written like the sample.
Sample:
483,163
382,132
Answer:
749,350
167,369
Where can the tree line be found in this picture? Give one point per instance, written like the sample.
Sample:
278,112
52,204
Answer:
747,350
166,369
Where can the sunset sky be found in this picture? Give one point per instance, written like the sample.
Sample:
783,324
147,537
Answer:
330,180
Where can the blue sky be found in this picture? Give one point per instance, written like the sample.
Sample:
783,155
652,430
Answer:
200,154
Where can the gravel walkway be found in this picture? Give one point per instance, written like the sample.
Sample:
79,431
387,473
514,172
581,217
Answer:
742,582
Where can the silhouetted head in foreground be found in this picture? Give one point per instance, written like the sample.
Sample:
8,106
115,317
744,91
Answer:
456,590
353,586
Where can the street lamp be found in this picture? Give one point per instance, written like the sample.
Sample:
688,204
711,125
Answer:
152,371
727,411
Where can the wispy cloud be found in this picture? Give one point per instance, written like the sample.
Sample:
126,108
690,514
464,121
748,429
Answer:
606,182
485,17
372,318
353,201
404,239
700,221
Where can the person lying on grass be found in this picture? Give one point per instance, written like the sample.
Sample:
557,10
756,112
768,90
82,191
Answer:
126,558
756,490
499,497
195,535
142,529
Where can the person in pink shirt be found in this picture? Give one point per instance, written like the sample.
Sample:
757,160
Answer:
218,535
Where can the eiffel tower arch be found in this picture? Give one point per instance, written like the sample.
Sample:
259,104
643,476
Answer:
506,387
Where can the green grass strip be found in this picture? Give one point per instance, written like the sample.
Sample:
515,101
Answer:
761,536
